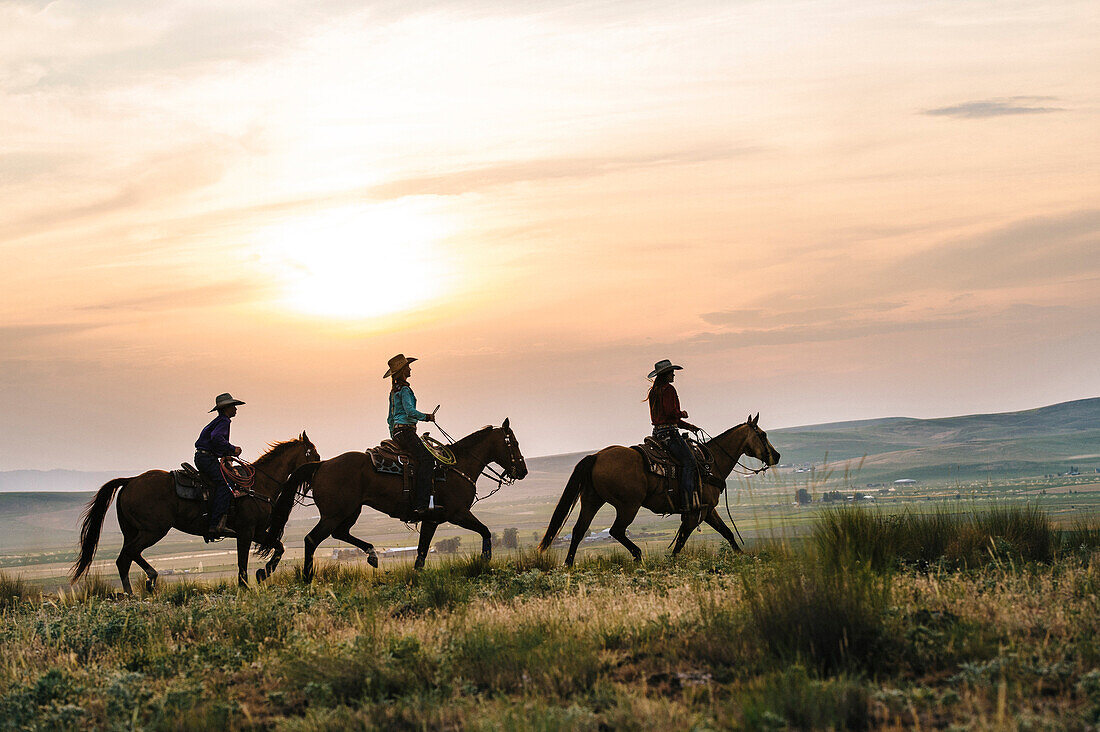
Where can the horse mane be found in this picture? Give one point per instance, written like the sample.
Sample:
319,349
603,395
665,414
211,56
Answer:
464,442
276,449
726,432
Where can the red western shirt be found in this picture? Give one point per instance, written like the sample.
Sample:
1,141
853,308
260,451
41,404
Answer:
664,406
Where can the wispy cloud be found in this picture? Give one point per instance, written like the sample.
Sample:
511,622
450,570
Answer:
1003,107
217,294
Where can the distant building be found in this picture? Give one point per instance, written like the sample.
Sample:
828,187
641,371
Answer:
905,481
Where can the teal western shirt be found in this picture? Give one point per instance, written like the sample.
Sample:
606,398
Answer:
403,409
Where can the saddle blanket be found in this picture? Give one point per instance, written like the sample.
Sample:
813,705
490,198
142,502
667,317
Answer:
390,458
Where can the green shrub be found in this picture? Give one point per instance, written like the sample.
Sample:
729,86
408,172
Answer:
829,616
792,700
537,656
374,668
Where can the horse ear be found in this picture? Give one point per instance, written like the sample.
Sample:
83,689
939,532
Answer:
756,419
748,420
303,437
505,425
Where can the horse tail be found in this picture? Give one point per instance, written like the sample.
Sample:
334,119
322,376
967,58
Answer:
578,481
93,516
296,485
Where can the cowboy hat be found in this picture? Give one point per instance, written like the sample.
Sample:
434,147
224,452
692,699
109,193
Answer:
397,363
225,400
662,366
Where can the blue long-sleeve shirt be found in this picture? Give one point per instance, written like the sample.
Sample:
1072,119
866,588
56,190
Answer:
215,437
403,409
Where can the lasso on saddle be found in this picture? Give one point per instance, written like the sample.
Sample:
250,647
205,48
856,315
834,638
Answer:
391,458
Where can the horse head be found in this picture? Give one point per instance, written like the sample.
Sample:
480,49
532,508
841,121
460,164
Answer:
505,452
309,453
757,445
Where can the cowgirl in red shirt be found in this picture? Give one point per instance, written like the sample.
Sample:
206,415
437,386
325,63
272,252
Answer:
668,419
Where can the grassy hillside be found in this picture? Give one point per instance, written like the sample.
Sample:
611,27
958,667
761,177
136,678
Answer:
991,627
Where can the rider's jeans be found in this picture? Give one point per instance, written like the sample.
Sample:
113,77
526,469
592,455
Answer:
222,495
408,439
676,445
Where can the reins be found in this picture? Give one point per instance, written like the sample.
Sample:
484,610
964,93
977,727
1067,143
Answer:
245,479
501,477
736,464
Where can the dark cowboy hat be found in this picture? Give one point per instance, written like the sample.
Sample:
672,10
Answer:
395,364
662,366
225,400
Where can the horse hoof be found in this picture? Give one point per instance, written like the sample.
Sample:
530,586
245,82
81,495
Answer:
151,584
372,560
261,574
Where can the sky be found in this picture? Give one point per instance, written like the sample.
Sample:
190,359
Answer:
823,210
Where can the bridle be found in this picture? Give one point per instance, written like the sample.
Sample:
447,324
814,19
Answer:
744,469
502,478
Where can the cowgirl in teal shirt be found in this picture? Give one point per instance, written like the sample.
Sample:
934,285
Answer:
402,419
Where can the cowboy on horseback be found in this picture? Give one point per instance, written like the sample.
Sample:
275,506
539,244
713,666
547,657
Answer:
213,444
668,419
402,419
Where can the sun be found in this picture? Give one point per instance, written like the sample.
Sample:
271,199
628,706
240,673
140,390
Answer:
360,262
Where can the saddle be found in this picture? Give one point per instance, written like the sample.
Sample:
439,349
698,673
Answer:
190,483
392,459
660,462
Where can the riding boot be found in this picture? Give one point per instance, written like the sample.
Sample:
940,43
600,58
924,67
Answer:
220,531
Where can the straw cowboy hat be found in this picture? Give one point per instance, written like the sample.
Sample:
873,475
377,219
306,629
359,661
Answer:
396,363
225,400
662,366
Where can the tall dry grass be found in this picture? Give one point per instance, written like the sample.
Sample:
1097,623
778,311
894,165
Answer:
966,538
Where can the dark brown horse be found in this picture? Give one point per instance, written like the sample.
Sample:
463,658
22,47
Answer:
343,485
618,475
148,507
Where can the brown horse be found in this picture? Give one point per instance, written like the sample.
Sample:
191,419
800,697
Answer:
343,485
618,475
148,507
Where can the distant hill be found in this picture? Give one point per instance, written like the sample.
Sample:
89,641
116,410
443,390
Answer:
1031,442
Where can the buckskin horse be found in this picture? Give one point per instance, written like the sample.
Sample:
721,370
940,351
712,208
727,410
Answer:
618,475
344,484
148,507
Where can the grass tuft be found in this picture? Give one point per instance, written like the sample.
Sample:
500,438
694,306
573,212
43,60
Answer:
830,617
13,590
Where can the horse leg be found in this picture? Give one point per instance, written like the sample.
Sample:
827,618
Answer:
131,551
623,517
244,543
267,570
123,563
343,533
715,522
427,531
319,533
471,522
590,504
688,523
